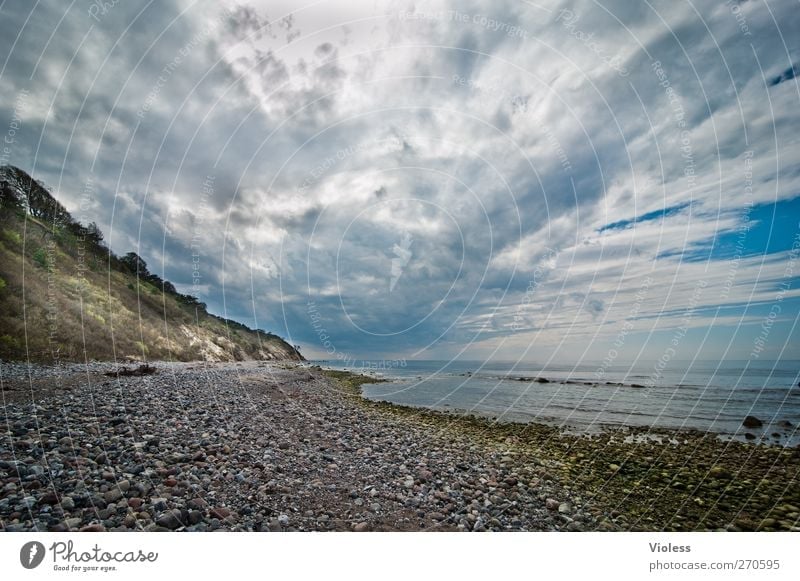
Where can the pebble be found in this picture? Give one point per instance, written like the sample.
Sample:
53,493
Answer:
170,519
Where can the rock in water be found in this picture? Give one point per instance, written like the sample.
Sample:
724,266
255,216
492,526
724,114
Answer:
752,422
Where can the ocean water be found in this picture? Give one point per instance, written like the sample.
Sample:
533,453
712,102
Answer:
703,395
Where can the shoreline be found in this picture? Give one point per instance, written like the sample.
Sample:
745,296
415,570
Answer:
285,446
781,433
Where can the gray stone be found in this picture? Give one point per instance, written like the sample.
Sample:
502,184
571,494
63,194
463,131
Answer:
170,519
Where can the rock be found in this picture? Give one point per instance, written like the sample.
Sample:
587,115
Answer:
48,498
361,527
564,508
113,495
159,503
93,528
197,504
58,528
73,523
170,519
220,512
752,422
552,504
283,520
720,473
67,503
135,503
424,475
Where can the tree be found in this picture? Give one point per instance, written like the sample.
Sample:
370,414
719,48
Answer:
8,197
135,265
169,288
42,205
94,234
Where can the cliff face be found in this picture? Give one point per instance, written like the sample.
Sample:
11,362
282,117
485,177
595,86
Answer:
65,296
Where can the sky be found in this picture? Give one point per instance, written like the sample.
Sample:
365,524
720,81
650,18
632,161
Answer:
580,181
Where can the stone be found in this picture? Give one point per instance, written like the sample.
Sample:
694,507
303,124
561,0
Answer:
73,523
197,504
361,527
720,473
424,475
283,520
551,504
93,528
48,498
220,512
159,503
170,519
752,422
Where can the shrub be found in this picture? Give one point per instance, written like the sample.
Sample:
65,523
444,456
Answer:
12,236
40,257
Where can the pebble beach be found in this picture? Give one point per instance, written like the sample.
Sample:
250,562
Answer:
257,446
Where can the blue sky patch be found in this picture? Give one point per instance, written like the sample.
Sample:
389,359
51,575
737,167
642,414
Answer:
654,215
766,229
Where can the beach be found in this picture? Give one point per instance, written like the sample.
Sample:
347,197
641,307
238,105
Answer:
257,446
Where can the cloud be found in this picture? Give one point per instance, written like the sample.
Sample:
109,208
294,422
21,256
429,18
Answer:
543,162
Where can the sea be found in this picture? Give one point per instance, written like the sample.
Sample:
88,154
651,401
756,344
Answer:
709,396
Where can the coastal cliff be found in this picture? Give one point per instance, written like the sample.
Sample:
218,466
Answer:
66,296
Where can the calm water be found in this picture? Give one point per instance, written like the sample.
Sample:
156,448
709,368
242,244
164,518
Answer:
704,395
